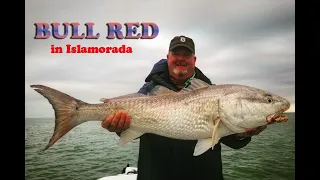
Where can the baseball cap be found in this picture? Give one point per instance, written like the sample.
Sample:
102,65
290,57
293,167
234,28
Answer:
182,41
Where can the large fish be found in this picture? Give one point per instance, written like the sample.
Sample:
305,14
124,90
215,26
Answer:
199,112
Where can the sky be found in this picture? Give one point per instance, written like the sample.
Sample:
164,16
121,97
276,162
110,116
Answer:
246,42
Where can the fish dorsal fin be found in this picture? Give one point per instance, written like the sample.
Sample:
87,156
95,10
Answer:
160,90
195,84
132,95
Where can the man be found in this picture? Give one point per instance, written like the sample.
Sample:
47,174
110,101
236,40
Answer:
162,158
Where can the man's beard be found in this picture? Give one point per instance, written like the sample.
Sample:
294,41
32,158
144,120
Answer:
180,73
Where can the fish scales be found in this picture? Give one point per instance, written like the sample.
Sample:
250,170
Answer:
191,115
199,112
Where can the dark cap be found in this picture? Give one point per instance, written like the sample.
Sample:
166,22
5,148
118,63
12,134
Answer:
182,41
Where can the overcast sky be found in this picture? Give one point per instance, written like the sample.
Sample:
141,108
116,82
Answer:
249,42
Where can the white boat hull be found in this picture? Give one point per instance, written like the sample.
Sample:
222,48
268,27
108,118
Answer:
130,173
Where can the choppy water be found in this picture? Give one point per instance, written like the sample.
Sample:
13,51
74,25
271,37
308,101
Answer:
90,152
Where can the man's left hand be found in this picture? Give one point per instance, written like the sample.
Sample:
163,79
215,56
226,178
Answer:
254,132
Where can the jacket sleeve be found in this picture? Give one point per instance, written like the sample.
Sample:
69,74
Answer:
147,87
235,142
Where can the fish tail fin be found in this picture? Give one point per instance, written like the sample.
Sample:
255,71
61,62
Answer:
65,110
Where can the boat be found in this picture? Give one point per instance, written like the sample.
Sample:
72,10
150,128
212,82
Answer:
128,173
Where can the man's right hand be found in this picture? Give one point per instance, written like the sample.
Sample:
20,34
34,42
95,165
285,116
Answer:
117,122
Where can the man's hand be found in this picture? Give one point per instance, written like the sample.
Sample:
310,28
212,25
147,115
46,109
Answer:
254,132
117,122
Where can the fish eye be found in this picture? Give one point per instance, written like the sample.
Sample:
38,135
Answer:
269,100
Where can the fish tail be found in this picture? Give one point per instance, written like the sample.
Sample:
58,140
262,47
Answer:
65,110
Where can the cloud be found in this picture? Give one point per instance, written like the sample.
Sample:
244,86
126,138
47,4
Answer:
248,42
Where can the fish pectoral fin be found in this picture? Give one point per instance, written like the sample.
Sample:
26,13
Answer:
202,146
205,144
129,135
215,133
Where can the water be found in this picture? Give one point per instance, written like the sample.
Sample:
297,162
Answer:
270,155
90,152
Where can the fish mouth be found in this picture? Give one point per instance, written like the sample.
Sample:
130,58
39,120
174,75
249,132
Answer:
277,117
